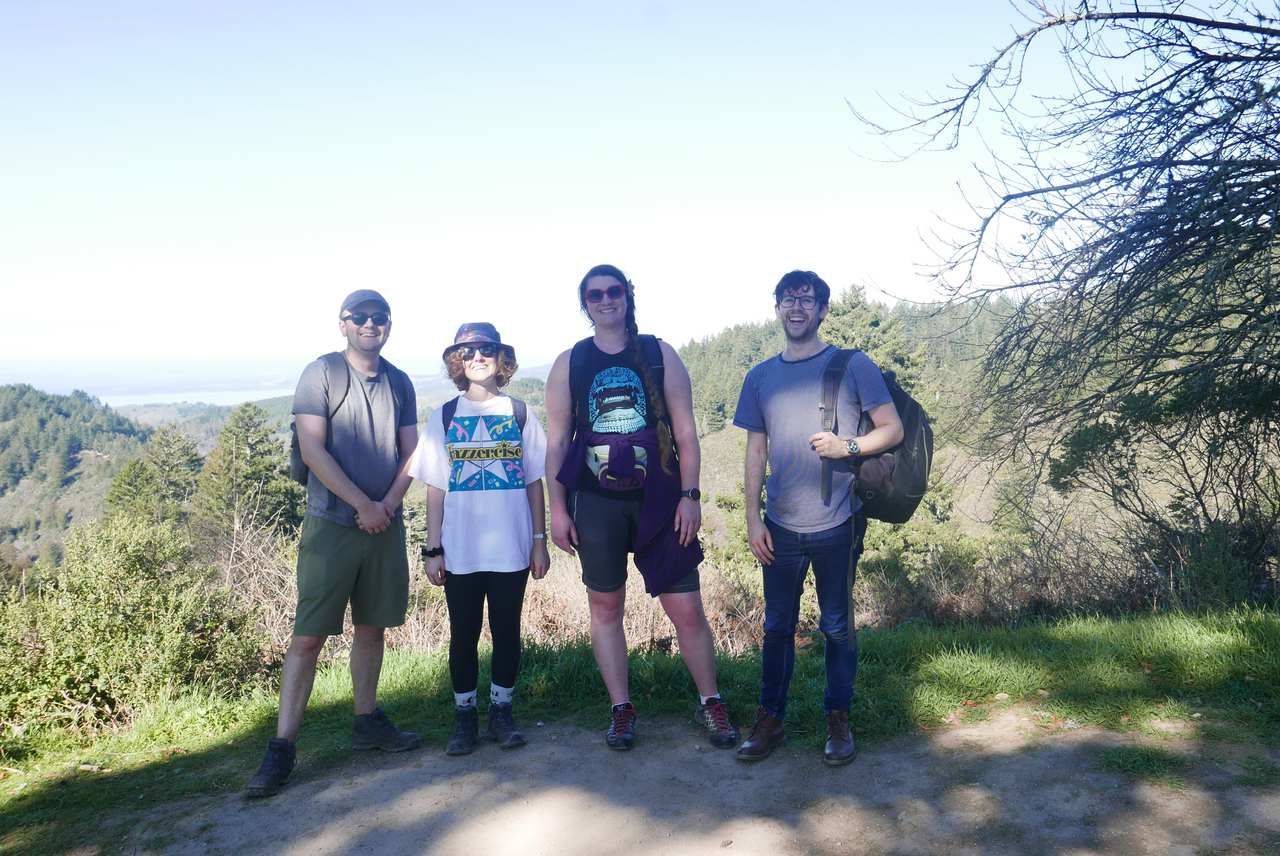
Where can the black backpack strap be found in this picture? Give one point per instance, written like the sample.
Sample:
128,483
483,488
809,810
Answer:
446,415
335,363
397,379
521,412
651,349
832,377
577,376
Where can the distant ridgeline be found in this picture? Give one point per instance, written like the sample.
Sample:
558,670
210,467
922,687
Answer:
58,454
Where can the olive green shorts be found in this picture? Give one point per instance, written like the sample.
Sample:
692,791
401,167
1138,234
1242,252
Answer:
337,564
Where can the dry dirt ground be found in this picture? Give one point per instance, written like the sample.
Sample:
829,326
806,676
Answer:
1000,786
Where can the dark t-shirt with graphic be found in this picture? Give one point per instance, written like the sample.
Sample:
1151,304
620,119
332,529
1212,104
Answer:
613,400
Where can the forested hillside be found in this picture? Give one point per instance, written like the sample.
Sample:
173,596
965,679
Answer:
58,454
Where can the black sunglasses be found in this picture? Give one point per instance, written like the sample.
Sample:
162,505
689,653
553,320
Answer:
595,295
468,352
380,319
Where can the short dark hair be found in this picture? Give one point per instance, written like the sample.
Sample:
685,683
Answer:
797,280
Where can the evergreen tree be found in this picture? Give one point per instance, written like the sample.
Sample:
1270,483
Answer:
135,490
175,463
244,479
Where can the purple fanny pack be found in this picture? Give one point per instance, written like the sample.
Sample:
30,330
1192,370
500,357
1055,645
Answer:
629,458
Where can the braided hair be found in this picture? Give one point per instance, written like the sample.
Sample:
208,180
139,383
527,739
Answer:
666,445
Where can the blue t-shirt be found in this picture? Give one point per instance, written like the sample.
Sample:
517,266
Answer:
780,399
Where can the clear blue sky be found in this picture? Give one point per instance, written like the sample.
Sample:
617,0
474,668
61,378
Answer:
202,182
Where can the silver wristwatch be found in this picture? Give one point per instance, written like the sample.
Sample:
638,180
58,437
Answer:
852,445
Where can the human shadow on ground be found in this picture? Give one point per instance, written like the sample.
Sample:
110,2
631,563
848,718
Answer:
1010,784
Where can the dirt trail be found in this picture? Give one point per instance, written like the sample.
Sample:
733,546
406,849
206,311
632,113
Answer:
1000,786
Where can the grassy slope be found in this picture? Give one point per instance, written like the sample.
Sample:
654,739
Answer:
1219,673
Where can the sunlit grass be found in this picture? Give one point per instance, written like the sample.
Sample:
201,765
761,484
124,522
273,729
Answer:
1219,675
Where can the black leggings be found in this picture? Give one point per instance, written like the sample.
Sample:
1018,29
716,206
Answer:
465,594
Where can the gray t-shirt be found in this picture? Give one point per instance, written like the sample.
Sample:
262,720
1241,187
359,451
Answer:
363,433
780,399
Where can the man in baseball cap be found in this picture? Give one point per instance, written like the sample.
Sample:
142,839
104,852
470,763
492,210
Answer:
355,416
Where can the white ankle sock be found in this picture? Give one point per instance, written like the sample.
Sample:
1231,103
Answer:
465,699
500,695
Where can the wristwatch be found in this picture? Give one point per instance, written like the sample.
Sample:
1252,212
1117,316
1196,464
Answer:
693,493
852,445
432,552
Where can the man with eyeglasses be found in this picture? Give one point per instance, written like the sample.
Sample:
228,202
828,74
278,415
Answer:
356,419
799,526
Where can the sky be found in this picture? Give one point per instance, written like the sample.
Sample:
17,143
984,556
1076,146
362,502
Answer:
188,190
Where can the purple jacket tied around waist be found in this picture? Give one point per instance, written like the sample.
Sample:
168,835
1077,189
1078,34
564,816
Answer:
660,557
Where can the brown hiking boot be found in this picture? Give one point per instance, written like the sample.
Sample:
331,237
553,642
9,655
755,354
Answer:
766,735
840,749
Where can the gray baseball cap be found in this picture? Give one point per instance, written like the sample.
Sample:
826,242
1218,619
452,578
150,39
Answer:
364,295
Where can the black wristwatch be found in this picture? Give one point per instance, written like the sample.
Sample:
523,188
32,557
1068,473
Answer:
693,493
852,445
432,552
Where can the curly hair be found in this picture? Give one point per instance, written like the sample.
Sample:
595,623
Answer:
457,369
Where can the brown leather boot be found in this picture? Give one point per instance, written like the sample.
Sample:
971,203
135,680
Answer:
766,735
840,749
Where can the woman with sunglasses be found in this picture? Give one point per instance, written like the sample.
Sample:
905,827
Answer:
624,450
481,458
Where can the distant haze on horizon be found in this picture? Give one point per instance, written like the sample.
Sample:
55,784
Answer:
192,189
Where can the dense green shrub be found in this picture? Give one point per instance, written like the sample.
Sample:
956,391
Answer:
129,617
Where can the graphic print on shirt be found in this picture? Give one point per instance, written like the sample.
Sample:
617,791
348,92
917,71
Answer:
617,404
485,453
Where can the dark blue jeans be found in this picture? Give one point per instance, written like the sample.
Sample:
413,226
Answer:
834,555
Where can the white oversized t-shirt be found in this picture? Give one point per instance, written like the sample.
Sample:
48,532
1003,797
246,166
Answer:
483,464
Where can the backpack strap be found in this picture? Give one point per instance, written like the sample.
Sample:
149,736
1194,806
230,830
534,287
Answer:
577,376
832,378
334,363
519,410
447,410
397,379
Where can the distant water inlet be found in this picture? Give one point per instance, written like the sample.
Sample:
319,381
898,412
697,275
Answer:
204,396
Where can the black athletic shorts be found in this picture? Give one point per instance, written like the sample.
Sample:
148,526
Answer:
606,534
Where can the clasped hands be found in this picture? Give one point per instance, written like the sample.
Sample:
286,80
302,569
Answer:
374,517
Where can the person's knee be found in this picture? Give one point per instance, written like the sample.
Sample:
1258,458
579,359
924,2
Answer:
307,647
369,633
685,612
835,628
606,608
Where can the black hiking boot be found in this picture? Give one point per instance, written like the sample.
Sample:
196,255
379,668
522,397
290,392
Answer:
502,727
277,764
376,731
714,717
466,725
622,727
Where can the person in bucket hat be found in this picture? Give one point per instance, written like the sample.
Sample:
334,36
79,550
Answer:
481,458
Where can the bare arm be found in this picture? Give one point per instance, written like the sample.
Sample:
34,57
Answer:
886,434
408,443
758,537
539,560
559,406
311,437
678,392
435,565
